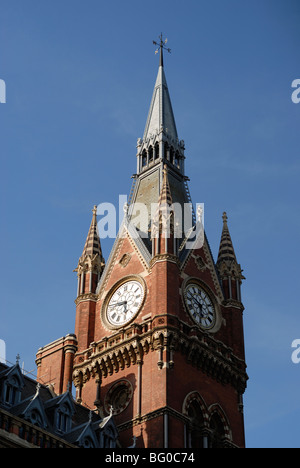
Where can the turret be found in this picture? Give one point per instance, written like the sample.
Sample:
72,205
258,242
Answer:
89,270
229,269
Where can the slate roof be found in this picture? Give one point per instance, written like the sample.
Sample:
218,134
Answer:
32,396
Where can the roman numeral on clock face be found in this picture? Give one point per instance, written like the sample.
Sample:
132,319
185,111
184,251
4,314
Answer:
125,303
200,306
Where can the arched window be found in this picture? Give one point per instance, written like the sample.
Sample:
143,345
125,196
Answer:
150,153
196,425
172,155
217,431
166,151
156,150
144,158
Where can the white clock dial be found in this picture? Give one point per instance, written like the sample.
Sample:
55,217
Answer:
200,306
124,303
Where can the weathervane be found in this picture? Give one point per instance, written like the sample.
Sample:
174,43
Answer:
161,45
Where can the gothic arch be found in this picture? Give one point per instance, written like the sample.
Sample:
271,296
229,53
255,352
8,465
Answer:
196,429
150,153
189,399
219,426
156,150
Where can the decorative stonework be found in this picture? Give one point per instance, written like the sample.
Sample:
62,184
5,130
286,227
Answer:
163,257
200,264
118,397
128,347
125,259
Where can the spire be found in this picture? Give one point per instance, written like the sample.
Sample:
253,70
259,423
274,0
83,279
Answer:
92,244
229,270
159,148
91,263
160,116
226,250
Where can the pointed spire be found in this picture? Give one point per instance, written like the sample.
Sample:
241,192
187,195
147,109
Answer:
92,244
159,146
226,250
160,116
91,261
229,269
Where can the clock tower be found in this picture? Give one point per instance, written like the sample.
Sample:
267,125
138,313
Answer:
159,325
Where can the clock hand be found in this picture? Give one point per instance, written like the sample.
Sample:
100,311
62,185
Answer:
200,305
125,308
202,312
118,304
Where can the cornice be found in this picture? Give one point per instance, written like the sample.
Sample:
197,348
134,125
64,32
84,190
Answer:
151,415
86,297
164,257
130,345
233,303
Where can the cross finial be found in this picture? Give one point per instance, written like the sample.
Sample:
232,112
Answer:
18,358
225,217
160,46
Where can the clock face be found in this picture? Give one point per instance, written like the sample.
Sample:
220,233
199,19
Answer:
200,306
124,303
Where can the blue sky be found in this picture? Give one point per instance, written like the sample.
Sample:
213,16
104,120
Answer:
79,78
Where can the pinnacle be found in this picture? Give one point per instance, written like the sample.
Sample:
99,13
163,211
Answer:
92,245
165,197
164,208
226,250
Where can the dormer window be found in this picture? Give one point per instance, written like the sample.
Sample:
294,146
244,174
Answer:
88,443
63,418
36,418
11,391
108,438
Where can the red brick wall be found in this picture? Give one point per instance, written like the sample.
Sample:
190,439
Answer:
55,363
163,388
